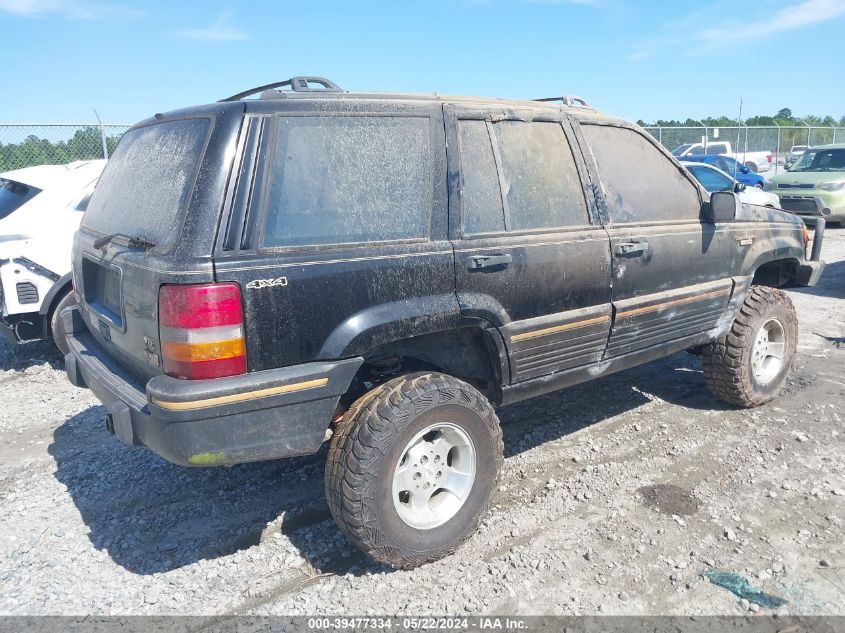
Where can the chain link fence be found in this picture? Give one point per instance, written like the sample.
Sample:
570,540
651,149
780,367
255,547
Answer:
45,144
41,144
777,140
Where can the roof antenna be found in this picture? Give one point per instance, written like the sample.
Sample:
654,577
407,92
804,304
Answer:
736,147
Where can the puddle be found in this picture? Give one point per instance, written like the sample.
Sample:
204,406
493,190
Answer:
669,499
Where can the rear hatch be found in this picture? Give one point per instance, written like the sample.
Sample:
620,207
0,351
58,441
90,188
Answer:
151,221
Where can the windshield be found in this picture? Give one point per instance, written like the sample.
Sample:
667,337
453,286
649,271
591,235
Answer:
680,150
13,195
147,183
821,160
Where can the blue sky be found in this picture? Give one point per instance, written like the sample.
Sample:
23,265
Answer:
651,60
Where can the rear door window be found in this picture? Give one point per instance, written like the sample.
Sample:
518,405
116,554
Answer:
14,195
640,183
349,179
146,185
481,197
529,182
541,185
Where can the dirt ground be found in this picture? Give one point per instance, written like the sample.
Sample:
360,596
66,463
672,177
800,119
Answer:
616,497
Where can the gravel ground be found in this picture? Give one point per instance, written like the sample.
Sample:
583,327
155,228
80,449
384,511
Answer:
616,496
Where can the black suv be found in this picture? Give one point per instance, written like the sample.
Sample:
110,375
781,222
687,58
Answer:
259,276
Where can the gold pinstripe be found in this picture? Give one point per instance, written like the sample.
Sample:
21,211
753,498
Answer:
666,304
239,397
558,328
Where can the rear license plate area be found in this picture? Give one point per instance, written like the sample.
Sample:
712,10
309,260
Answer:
101,284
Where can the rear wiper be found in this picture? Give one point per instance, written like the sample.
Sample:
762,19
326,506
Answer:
134,242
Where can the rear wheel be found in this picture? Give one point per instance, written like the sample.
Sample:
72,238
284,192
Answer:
749,364
57,329
412,468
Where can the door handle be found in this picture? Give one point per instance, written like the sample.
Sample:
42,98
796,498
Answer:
630,248
479,262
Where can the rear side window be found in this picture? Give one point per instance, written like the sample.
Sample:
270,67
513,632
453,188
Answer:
147,183
641,184
541,183
14,195
349,180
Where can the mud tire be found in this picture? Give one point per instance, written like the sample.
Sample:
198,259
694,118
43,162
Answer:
727,362
366,449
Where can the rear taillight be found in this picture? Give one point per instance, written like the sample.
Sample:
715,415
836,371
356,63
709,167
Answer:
202,330
769,157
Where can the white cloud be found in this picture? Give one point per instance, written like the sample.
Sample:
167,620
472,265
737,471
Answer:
687,34
788,18
68,8
220,31
30,8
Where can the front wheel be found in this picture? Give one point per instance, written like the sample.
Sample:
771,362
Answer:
749,364
412,468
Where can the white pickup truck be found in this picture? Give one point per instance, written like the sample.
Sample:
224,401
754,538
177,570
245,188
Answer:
755,161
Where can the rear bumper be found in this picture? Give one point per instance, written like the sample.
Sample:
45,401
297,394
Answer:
257,416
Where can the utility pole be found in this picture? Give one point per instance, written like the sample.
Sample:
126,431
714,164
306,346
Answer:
102,135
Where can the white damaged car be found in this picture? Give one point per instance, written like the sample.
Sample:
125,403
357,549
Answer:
40,210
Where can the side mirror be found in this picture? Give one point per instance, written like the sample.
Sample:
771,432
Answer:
723,207
787,166
739,187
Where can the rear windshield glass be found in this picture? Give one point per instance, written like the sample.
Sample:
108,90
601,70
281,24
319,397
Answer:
147,183
13,195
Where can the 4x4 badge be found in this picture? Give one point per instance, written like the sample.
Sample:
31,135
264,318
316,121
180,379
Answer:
267,283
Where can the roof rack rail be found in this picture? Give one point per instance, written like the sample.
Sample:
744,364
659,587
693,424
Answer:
571,102
297,84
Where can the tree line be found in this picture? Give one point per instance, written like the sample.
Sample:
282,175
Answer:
784,118
85,144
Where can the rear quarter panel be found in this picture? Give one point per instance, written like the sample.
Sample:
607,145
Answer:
328,302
